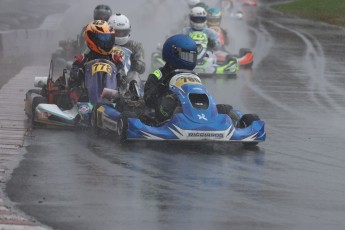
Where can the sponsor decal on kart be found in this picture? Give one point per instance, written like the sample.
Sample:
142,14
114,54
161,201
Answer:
119,51
109,123
84,109
180,80
209,135
183,134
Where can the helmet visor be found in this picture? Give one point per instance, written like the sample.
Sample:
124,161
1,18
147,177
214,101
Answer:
186,55
104,41
214,19
198,19
122,33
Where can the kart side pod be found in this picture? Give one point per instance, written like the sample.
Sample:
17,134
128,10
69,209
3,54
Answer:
110,94
40,81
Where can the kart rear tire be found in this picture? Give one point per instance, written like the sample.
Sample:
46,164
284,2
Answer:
35,102
228,109
122,127
28,101
245,121
36,91
244,51
224,108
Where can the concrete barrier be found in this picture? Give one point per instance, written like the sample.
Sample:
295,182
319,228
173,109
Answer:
42,40
13,122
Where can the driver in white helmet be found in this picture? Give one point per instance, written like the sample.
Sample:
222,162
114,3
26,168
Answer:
198,22
121,24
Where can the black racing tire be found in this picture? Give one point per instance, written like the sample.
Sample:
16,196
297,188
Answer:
224,108
122,127
36,91
93,121
28,102
228,109
244,51
35,102
245,121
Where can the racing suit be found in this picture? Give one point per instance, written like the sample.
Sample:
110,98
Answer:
222,35
157,94
213,40
137,57
137,63
77,77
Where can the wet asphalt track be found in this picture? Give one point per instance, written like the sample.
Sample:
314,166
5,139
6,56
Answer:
294,180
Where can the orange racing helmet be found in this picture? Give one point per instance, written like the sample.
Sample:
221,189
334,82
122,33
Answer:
100,37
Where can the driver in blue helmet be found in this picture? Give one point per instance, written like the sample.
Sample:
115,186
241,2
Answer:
179,52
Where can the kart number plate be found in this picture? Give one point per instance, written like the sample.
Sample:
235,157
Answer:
119,52
187,80
101,67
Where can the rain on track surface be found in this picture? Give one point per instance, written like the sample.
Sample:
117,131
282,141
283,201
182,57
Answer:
294,180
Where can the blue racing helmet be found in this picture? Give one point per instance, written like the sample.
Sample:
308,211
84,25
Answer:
180,52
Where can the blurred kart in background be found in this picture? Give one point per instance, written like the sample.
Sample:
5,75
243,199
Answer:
249,3
211,63
53,102
65,54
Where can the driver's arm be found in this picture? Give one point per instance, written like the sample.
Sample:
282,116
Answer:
150,90
75,76
137,57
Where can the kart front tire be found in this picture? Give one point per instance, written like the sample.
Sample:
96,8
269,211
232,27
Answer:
93,121
122,127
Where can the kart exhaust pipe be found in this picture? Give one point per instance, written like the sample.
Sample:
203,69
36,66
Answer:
40,81
110,94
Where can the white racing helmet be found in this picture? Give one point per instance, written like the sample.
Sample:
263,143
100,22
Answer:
198,18
120,23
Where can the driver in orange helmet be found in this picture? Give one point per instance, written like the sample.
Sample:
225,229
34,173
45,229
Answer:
100,38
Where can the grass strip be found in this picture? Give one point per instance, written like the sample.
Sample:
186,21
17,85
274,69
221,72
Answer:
329,11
